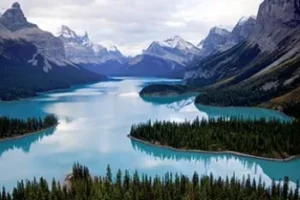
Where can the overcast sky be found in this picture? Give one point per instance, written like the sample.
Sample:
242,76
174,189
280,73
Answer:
133,24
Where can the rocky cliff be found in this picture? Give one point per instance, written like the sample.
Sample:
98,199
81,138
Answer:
48,45
271,46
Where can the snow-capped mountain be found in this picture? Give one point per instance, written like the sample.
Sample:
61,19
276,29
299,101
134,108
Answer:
174,49
33,60
81,50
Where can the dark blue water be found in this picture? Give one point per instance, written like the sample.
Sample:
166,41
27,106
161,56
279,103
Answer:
94,123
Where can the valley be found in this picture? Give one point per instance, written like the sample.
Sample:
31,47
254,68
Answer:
223,112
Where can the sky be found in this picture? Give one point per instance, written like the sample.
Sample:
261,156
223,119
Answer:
133,24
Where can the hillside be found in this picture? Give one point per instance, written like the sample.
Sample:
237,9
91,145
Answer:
32,60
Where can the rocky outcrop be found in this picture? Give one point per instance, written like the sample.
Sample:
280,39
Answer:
276,20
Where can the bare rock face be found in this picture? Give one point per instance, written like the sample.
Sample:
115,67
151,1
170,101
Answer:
48,45
276,20
243,29
81,50
215,41
14,19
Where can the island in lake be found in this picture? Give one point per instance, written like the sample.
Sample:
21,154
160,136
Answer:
273,140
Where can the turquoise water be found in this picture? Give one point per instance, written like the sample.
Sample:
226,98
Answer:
94,122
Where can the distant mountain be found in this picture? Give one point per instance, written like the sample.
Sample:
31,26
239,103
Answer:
152,66
163,59
266,61
80,50
33,60
174,49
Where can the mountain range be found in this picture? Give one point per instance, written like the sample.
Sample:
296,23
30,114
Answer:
258,62
260,54
33,60
266,59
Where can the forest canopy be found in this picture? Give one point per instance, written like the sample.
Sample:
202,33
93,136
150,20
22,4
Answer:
13,127
124,186
271,139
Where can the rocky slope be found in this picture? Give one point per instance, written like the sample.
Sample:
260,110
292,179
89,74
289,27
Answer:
32,60
81,50
15,21
267,59
220,39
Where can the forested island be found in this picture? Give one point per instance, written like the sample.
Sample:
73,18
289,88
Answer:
164,90
12,127
257,138
126,186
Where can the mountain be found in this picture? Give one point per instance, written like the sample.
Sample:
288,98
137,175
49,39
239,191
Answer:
174,49
95,57
14,20
33,60
220,39
267,61
168,58
152,66
214,42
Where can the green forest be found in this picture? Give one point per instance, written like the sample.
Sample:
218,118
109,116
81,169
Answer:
126,186
271,139
12,127
236,97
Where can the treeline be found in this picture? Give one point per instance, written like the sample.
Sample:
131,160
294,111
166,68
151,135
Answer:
11,127
272,139
124,186
230,97
236,97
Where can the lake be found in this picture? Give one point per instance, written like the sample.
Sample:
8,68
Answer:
95,120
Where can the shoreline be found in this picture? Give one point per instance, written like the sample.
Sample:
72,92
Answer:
158,95
260,107
28,134
39,94
291,158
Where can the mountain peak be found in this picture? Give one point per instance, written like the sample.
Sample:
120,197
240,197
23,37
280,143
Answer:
245,19
16,5
173,41
219,31
68,34
14,18
113,48
65,31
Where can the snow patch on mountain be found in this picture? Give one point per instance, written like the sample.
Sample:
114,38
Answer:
174,49
80,49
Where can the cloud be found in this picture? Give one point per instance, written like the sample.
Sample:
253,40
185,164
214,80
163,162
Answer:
134,24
